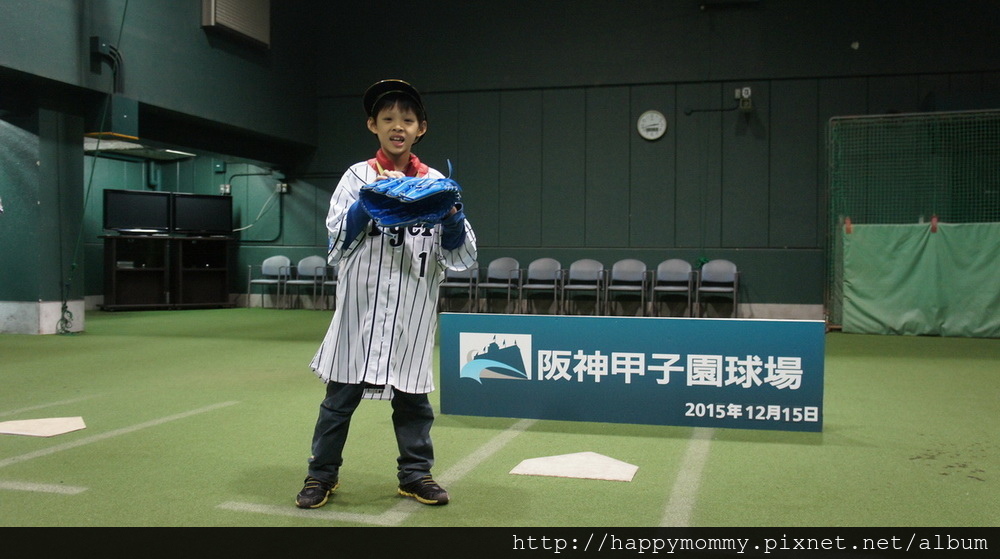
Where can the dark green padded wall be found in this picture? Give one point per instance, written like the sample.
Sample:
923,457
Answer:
528,102
699,165
794,163
538,120
653,193
40,184
562,171
19,177
171,63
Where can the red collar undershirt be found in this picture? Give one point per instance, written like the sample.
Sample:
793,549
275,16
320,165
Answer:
414,169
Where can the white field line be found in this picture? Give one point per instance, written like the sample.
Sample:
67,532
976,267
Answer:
326,515
43,406
108,435
470,462
41,487
399,512
684,495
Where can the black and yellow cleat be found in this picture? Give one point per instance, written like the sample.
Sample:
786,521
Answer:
425,490
315,493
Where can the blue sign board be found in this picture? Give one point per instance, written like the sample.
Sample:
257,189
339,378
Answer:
744,374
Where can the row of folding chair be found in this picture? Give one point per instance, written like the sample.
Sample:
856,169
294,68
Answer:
588,281
278,274
585,281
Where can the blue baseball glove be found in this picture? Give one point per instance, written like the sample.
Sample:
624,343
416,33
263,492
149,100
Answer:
409,201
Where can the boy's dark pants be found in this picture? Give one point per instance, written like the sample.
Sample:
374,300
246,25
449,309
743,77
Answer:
412,417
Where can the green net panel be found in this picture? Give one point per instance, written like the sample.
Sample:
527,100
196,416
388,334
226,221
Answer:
908,168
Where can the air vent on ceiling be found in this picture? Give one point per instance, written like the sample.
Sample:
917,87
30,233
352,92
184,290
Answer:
248,18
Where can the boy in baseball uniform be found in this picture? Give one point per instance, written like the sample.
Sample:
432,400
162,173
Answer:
383,329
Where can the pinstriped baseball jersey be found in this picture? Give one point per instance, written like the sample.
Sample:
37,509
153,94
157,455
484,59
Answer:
385,321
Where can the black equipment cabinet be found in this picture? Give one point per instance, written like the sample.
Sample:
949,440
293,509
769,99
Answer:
136,272
165,272
201,272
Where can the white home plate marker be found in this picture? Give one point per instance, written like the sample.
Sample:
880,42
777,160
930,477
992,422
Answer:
47,427
583,465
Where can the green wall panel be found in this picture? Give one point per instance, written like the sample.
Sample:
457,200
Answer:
305,216
441,143
745,179
699,165
563,153
499,45
607,167
19,184
545,148
479,152
652,171
793,201
894,94
346,140
520,173
41,167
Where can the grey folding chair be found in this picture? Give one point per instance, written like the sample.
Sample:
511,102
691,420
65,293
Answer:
627,277
584,280
718,278
674,278
308,273
543,275
456,281
502,274
272,272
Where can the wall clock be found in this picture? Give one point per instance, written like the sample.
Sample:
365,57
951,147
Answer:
652,125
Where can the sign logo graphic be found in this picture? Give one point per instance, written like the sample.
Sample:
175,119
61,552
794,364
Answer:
495,356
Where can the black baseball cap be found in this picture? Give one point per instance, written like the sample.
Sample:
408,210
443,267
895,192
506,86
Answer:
380,89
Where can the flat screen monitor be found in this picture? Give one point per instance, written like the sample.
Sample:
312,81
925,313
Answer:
136,211
202,214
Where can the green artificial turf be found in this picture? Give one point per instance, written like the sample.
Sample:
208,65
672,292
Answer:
204,417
